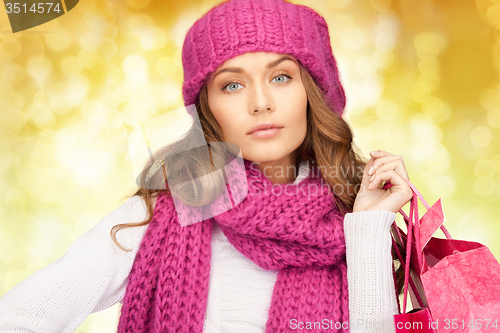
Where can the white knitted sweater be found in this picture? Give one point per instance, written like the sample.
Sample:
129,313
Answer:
93,275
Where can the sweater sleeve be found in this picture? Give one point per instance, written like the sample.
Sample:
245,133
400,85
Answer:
372,294
91,276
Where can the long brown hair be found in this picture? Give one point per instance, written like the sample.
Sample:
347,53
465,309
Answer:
328,145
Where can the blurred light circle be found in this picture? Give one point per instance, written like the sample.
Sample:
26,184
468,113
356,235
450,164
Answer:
439,167
116,134
485,169
353,38
420,91
496,160
16,99
66,137
10,37
32,177
339,4
136,70
373,86
380,5
138,4
88,59
430,43
108,145
383,59
66,155
489,99
443,186
166,66
171,92
84,130
362,137
61,104
397,135
113,73
91,41
496,33
365,66
13,47
86,5
143,25
108,48
433,106
387,109
42,100
47,137
71,66
114,119
5,57
432,80
94,111
78,86
39,67
387,30
484,220
429,64
437,153
15,199
59,41
40,156
178,58
484,187
480,136
379,130
13,73
494,117
110,100
45,120
111,32
16,119
493,14
425,129
9,160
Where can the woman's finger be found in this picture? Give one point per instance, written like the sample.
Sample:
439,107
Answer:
396,165
380,153
390,159
398,182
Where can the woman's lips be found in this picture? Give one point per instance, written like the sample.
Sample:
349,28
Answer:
266,133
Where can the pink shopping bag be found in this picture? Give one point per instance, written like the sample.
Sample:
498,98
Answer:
455,283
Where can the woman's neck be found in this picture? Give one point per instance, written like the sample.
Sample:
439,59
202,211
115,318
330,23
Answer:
279,172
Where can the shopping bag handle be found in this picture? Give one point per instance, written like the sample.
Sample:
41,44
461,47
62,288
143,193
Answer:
426,205
414,229
430,220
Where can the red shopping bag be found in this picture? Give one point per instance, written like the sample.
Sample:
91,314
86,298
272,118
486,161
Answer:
454,283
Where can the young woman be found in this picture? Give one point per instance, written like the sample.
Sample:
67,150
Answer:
286,257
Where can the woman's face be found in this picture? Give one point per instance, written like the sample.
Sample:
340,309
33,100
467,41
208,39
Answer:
260,87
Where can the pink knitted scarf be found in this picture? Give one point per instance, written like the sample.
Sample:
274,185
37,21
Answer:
295,228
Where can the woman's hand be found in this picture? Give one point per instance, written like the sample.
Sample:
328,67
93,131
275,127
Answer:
386,167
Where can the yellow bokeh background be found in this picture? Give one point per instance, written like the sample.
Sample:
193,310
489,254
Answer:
421,79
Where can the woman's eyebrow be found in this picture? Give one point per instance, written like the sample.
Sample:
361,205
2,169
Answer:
241,70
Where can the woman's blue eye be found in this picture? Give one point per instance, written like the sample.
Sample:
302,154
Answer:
235,84
282,75
231,84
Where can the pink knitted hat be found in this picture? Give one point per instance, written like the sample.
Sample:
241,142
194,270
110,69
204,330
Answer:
239,26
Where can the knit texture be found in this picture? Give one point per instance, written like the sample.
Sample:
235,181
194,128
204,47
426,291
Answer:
239,26
298,231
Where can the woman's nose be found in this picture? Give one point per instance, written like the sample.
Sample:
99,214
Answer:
261,99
